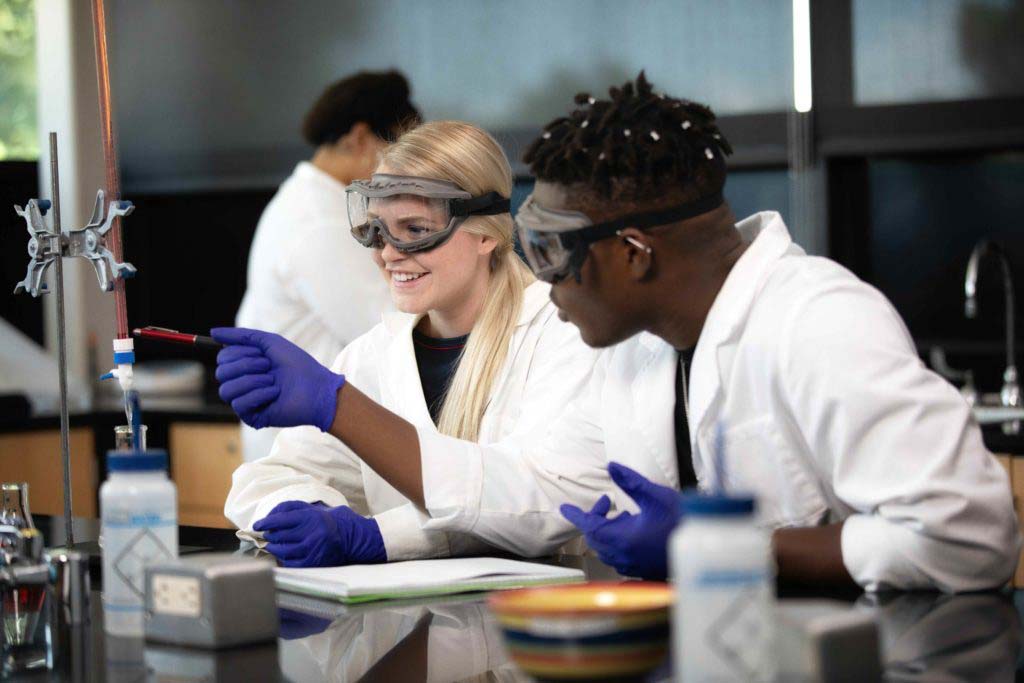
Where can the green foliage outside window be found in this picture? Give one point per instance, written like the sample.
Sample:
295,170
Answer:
18,138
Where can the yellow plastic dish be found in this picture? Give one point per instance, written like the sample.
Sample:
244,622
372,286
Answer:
587,599
591,631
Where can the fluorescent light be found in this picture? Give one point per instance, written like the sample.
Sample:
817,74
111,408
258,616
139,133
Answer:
802,55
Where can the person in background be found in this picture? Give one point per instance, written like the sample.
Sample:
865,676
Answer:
868,468
307,278
476,351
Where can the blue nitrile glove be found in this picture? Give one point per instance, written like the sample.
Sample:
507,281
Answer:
271,382
636,545
313,535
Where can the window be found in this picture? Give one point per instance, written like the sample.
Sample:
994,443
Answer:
18,139
933,50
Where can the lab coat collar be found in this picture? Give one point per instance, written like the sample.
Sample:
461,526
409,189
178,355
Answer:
535,297
769,241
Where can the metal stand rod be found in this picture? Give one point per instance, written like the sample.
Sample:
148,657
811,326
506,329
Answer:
62,345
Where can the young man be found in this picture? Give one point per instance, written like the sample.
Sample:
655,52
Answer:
868,466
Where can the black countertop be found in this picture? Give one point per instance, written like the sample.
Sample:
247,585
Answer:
924,637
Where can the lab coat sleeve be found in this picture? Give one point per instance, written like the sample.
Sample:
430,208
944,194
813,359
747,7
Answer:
407,536
508,493
931,508
304,464
337,280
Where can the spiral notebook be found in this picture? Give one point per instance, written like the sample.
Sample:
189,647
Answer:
420,578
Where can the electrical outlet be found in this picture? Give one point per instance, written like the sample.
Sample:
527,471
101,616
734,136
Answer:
178,595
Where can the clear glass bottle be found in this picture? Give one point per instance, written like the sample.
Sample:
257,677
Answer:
724,574
139,525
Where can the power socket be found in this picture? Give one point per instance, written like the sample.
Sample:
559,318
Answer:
213,601
178,595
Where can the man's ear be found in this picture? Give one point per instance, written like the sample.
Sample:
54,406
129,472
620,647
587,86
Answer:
635,247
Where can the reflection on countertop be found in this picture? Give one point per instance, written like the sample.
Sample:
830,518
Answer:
455,641
924,637
936,637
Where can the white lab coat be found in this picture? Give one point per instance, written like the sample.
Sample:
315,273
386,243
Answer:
546,367
828,413
308,278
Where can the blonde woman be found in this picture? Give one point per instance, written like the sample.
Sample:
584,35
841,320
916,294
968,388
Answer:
476,352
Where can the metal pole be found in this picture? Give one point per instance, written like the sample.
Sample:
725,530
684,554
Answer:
62,344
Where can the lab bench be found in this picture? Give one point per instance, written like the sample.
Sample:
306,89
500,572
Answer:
923,636
201,436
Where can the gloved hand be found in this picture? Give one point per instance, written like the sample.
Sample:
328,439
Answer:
271,382
314,535
636,545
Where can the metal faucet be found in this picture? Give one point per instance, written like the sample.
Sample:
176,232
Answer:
1009,395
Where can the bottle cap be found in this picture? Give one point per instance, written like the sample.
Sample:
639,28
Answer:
137,461
695,504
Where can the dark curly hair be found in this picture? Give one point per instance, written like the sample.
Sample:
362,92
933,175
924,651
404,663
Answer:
637,145
378,99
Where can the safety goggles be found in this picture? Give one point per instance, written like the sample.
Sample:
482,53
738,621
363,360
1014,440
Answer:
556,242
412,213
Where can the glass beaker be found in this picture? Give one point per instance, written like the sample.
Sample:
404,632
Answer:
27,620
14,507
123,438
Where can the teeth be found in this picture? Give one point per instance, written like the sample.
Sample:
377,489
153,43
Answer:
407,277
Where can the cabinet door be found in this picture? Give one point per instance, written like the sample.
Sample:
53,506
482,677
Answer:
35,457
1016,467
203,457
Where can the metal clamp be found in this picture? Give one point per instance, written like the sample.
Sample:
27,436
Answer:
88,242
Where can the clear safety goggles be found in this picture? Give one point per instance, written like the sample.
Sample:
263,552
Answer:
412,213
556,242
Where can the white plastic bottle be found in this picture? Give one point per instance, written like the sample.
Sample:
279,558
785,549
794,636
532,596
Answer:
724,574
139,525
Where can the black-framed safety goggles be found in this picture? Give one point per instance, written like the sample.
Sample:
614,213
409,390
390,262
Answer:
411,213
556,242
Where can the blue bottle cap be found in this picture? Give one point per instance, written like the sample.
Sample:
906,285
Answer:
137,461
693,503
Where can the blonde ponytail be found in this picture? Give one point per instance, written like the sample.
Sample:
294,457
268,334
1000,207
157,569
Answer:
473,160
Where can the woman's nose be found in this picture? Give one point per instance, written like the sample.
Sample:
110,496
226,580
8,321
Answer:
389,254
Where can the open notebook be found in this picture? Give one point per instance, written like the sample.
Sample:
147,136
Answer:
419,578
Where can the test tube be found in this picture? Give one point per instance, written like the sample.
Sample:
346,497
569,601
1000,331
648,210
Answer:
123,438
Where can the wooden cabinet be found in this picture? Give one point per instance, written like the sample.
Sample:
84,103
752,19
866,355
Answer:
203,457
34,456
1015,468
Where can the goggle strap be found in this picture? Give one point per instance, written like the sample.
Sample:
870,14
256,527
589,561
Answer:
489,204
649,219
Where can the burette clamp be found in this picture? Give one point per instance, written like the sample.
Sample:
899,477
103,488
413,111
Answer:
88,242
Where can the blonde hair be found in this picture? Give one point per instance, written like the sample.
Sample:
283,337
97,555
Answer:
467,156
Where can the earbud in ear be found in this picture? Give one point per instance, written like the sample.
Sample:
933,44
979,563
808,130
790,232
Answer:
635,242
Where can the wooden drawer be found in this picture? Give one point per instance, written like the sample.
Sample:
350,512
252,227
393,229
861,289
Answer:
203,458
35,457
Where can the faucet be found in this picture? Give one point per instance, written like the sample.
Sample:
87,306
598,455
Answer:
1010,393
